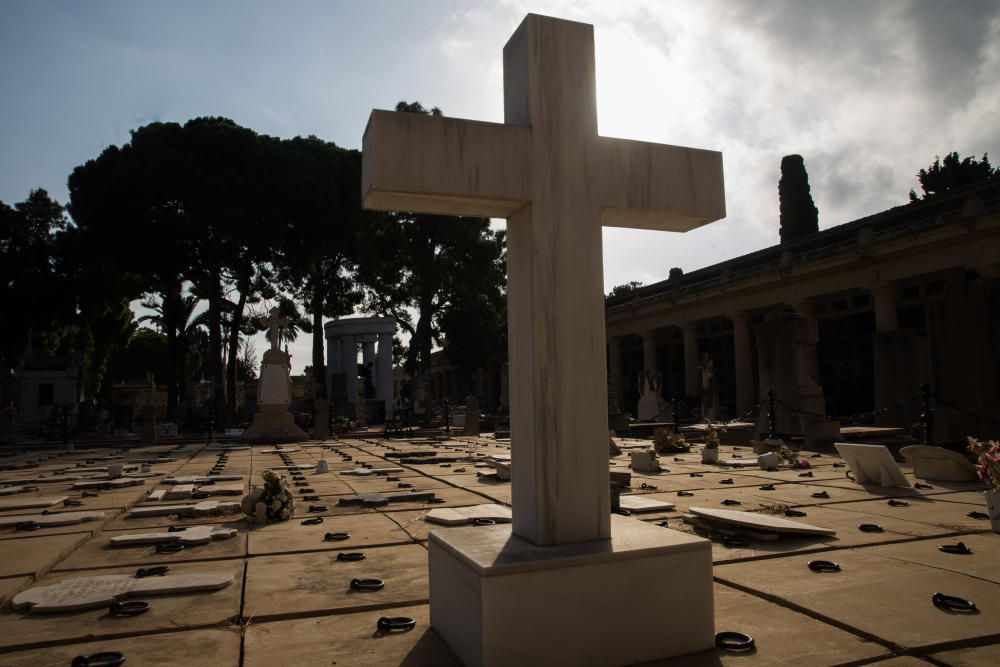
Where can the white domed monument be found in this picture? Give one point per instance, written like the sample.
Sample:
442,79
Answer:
273,422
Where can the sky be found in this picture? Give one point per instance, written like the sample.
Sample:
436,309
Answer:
867,92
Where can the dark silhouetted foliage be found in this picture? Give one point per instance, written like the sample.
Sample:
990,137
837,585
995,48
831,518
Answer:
952,172
799,216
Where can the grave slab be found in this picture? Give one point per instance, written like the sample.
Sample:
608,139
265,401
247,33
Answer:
365,531
982,563
32,556
923,510
278,586
348,639
903,614
174,649
167,613
99,553
784,638
982,656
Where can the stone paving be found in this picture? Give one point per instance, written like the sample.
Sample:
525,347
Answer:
291,601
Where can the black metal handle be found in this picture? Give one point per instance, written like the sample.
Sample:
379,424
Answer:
155,571
684,493
169,548
731,501
975,514
390,623
959,548
766,487
954,603
317,508
734,641
790,512
483,522
128,607
735,541
728,480
436,501
898,503
315,521
823,566
350,556
871,528
102,659
367,584
821,494
336,537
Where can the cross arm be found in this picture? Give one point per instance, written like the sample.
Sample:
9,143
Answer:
449,166
660,187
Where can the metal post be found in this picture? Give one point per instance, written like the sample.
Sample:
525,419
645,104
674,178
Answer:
927,417
772,418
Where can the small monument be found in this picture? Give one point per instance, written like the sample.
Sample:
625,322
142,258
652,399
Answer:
273,422
650,402
471,416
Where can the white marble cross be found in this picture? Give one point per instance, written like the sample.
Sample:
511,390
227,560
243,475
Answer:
274,323
557,182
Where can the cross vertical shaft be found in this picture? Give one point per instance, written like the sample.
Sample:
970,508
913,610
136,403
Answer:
555,291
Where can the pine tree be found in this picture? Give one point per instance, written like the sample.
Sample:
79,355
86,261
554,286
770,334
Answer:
799,216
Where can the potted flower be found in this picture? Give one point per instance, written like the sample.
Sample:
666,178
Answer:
269,503
988,464
711,452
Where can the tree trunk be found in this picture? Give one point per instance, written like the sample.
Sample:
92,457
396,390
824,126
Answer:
215,341
318,367
243,286
171,317
424,343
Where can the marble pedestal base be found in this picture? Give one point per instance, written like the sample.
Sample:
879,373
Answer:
644,594
273,423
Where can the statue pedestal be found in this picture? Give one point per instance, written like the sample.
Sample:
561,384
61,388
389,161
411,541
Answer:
497,599
273,423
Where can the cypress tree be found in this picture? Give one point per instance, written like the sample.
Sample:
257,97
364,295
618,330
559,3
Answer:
799,216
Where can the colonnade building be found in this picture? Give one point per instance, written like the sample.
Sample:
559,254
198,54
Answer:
848,320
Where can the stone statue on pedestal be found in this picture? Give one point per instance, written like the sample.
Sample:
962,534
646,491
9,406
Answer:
273,422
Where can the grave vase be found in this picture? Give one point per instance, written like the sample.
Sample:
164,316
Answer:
993,509
709,455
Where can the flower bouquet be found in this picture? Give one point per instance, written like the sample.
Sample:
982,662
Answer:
988,465
269,503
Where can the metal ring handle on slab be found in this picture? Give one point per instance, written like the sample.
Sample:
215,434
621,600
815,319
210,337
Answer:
315,521
975,514
684,493
871,528
317,508
731,501
404,485
898,503
310,499
102,659
806,474
954,603
390,623
839,465
350,556
821,494
648,487
959,548
850,475
307,490
436,501
155,571
622,511
128,608
367,584
823,566
336,537
391,479
791,512
766,487
734,641
169,548
695,474
483,522
921,485
728,480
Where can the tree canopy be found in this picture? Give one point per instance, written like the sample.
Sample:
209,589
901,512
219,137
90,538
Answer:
952,172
